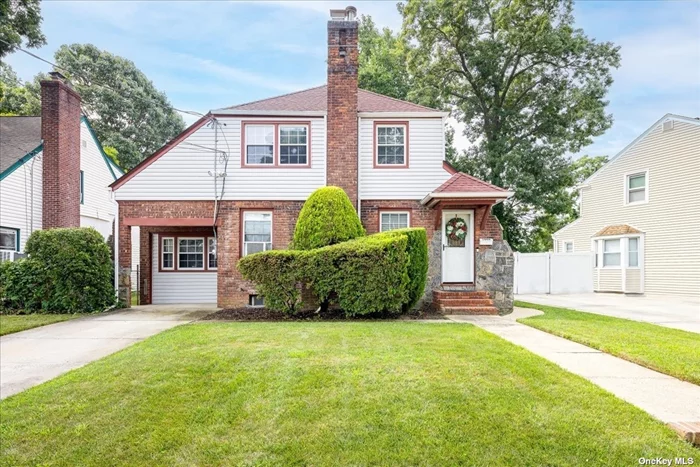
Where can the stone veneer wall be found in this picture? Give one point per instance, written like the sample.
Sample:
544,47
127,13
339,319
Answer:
494,273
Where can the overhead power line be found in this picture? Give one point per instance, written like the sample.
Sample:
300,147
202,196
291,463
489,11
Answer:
105,86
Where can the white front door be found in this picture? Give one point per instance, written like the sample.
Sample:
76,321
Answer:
458,246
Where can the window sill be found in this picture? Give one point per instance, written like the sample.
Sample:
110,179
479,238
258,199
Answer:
637,203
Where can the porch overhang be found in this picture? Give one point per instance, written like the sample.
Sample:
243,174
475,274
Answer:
468,197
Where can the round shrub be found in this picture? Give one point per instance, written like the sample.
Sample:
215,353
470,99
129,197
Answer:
328,217
77,269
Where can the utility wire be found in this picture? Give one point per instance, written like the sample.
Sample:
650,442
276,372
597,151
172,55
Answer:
104,86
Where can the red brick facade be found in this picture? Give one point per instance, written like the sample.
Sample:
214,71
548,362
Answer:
342,106
60,130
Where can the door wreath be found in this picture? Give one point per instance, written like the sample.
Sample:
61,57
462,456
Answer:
456,229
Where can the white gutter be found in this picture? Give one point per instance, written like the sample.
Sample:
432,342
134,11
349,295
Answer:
262,113
429,114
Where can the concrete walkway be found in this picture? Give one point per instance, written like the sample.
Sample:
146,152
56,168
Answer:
37,355
671,311
668,399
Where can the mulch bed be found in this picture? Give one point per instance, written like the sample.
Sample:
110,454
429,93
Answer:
265,314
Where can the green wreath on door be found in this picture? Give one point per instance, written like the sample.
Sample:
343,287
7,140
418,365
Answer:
456,229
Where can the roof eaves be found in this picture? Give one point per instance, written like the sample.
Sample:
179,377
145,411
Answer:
21,161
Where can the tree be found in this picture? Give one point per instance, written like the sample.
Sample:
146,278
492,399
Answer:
585,166
527,84
125,109
15,98
20,21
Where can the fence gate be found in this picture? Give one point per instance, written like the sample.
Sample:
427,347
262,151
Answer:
553,273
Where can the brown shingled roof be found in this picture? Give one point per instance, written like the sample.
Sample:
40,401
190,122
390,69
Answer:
314,100
623,229
463,183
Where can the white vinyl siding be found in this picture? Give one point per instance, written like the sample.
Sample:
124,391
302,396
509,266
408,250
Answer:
20,199
181,287
608,280
97,209
426,151
633,281
184,172
670,219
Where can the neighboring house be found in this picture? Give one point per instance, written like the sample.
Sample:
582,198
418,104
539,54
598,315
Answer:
639,214
53,172
233,184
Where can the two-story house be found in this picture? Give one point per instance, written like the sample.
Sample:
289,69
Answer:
53,172
639,216
234,182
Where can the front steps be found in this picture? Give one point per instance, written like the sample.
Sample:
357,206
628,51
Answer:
463,302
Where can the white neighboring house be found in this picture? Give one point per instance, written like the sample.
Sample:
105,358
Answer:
22,185
639,214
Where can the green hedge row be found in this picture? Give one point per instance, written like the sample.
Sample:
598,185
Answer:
67,270
379,273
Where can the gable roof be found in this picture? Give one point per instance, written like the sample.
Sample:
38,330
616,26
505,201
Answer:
19,136
622,229
463,183
669,116
20,140
314,100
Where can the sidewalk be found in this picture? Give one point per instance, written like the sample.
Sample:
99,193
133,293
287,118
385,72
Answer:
668,399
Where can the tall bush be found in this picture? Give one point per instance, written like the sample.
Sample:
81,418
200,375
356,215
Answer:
23,285
277,276
327,217
77,269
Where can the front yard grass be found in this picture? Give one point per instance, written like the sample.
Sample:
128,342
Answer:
670,351
363,393
16,323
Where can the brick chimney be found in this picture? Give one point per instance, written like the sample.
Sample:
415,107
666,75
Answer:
342,101
60,130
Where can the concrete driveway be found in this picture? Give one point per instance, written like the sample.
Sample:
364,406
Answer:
667,310
31,357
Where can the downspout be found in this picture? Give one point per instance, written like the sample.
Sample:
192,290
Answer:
359,198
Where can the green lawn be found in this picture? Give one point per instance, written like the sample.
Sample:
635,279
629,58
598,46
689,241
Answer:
16,323
670,351
349,393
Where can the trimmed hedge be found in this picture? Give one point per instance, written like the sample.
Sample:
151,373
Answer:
384,272
68,270
326,218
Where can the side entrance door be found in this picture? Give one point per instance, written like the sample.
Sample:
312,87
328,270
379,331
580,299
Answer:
458,246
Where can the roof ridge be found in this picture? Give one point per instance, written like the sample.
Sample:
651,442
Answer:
398,100
276,97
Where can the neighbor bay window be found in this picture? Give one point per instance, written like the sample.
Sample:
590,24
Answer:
257,232
633,252
611,253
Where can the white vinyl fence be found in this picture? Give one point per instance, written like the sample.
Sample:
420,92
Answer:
553,273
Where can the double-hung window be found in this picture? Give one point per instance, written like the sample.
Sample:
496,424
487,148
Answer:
611,253
393,220
391,145
190,253
167,260
9,239
257,232
636,190
211,253
293,145
260,144
633,252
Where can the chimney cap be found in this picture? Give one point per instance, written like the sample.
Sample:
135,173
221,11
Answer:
348,14
57,76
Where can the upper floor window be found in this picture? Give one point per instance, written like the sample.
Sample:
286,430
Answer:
390,144
636,188
9,239
82,187
393,220
260,144
568,247
293,145
257,232
276,144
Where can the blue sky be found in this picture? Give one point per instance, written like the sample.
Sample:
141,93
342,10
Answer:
210,55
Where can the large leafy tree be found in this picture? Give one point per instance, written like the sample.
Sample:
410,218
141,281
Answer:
126,110
529,86
15,98
20,21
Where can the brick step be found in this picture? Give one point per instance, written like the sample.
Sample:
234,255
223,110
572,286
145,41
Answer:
469,310
464,302
476,294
